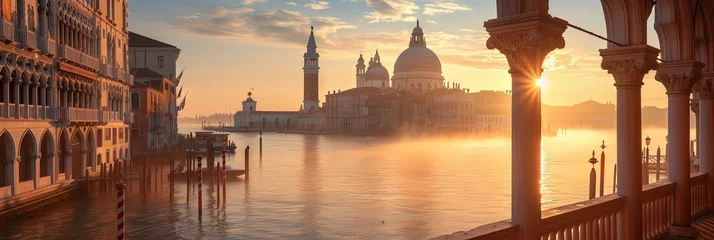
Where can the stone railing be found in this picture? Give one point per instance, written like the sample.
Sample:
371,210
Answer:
128,118
657,209
33,112
3,113
78,57
44,181
12,111
7,30
498,230
31,40
103,70
25,186
23,111
5,191
592,219
122,76
48,46
65,114
698,186
111,73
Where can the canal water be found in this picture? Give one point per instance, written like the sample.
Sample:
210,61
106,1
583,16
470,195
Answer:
338,187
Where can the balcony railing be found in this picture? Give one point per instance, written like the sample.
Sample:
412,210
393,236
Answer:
77,115
3,113
592,219
78,57
30,40
657,209
48,46
32,111
122,76
12,111
7,31
103,69
111,71
698,186
23,111
128,118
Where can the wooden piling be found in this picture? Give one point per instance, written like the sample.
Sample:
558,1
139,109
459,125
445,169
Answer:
200,188
659,155
218,184
224,176
247,162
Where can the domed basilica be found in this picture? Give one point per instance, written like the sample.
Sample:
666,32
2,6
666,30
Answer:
417,68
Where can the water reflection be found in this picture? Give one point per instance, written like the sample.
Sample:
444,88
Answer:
338,187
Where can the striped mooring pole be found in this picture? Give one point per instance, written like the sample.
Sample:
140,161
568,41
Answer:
200,188
121,231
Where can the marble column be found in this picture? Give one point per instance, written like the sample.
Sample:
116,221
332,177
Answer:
16,114
68,164
525,40
6,97
628,66
678,78
705,89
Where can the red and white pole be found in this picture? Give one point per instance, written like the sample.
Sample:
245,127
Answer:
224,176
121,232
200,189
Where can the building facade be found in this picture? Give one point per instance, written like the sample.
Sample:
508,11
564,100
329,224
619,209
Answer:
64,97
156,113
249,118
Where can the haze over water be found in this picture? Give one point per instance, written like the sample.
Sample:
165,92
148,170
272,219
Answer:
343,187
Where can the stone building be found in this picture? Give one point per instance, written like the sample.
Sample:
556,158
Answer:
250,118
154,96
64,96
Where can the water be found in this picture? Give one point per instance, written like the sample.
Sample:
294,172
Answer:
338,187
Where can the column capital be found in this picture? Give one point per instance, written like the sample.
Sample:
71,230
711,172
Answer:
526,40
679,77
705,87
628,65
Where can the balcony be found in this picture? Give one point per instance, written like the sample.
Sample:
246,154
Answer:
78,57
67,115
48,46
128,118
122,76
103,69
7,31
111,71
30,40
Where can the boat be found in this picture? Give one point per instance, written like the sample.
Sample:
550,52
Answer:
231,174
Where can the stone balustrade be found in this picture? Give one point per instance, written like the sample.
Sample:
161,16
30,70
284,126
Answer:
77,115
30,39
78,57
48,46
597,218
698,186
7,31
657,209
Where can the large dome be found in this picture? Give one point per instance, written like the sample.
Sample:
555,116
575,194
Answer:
377,72
417,58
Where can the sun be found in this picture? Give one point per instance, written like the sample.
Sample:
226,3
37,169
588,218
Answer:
542,82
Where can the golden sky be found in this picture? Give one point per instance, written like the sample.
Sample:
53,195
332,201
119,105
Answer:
229,47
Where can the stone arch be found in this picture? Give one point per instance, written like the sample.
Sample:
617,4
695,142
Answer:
624,22
673,24
7,149
28,156
47,152
704,35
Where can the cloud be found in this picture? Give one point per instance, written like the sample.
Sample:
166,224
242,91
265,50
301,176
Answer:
276,26
249,2
391,10
317,5
291,3
443,7
432,22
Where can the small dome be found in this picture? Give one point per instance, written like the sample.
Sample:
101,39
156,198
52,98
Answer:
417,58
417,29
377,72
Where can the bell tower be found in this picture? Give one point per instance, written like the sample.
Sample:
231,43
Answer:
360,67
310,69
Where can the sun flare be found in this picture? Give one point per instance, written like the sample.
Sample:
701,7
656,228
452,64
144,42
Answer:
542,82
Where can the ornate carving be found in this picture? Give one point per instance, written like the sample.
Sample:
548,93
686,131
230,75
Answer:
694,104
679,77
704,86
628,65
526,41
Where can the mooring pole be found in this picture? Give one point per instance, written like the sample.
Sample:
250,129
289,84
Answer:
593,175
659,155
120,210
247,162
224,176
602,169
200,188
218,184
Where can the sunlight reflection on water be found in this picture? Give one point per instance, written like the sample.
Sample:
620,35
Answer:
339,187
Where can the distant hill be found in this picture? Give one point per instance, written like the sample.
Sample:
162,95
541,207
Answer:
213,119
592,114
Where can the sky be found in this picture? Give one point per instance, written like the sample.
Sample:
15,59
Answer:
229,47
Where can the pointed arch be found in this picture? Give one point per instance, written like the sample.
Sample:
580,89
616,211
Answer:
92,149
47,153
65,151
78,148
7,152
28,156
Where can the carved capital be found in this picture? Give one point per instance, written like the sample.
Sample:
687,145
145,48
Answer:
628,65
679,77
526,41
704,87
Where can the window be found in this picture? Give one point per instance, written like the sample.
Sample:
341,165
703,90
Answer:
135,101
161,61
